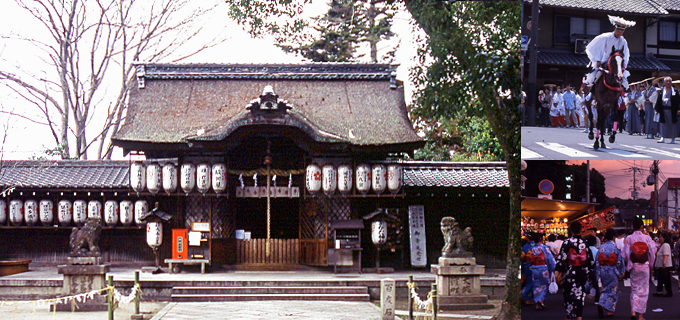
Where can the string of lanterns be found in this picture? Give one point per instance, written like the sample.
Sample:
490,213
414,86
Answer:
76,212
377,178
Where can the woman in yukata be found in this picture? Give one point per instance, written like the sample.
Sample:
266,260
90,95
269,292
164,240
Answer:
610,269
638,253
575,265
543,266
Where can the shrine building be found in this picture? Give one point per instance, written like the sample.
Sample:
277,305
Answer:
259,165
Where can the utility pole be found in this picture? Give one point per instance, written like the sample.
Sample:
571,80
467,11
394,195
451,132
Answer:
655,172
588,181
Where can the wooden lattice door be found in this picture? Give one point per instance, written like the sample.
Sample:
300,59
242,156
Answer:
315,216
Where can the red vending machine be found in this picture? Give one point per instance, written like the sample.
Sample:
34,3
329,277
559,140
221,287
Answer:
180,246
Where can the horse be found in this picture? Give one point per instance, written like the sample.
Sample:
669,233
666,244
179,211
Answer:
605,92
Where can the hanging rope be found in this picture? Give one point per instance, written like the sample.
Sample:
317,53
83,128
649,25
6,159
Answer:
419,304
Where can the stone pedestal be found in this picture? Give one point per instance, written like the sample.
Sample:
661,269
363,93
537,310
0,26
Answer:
458,286
82,275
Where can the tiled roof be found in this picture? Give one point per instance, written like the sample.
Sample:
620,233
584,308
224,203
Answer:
65,174
345,103
315,71
673,65
647,7
671,5
565,58
456,174
103,174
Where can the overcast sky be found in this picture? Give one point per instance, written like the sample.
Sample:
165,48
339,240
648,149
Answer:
619,176
239,48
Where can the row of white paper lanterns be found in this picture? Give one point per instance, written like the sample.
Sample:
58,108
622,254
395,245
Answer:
329,179
204,176
32,212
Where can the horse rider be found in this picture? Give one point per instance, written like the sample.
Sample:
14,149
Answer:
600,48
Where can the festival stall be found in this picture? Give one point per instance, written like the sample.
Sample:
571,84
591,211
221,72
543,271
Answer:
550,216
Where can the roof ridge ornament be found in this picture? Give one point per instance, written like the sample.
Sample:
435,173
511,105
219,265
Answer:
269,103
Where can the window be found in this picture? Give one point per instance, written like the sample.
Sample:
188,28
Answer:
569,29
669,31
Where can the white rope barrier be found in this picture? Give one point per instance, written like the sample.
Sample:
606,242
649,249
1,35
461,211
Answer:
422,305
80,298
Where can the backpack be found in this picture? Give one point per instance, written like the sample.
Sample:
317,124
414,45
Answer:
639,252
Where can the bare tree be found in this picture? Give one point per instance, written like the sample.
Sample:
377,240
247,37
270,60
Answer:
90,47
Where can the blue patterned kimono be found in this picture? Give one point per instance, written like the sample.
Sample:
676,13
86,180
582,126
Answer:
528,291
543,266
610,266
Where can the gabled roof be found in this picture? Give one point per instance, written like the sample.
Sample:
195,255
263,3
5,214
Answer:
350,103
456,174
566,58
644,7
100,174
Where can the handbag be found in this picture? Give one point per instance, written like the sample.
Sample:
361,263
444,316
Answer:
656,117
552,288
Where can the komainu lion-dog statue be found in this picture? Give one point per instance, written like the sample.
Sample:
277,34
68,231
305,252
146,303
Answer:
84,240
456,243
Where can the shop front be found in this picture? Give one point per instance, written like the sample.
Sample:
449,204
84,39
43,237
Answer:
548,216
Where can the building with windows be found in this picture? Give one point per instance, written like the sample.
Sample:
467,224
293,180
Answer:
566,27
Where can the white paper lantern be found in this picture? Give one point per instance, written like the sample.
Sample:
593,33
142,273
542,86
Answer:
313,178
16,212
31,212
203,178
379,182
127,214
344,179
94,210
79,212
65,214
154,234
219,177
141,208
330,179
188,172
137,176
111,212
169,178
363,175
379,232
394,177
154,180
3,212
46,212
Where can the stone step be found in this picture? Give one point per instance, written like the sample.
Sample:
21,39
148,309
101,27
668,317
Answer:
465,306
267,297
269,290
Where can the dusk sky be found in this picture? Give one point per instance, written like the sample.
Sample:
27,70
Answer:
619,176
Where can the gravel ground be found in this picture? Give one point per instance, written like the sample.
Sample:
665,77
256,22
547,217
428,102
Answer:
18,310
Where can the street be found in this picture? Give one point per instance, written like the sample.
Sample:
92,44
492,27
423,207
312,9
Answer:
670,307
539,143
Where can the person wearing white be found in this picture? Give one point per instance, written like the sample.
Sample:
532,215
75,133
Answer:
663,265
600,48
651,126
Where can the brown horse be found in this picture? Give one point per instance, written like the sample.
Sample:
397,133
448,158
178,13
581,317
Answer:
606,92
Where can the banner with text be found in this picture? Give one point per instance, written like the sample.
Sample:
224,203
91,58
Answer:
416,222
601,220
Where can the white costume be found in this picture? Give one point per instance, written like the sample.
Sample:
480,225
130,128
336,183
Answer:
600,48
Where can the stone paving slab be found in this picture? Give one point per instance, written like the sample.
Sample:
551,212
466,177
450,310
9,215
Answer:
265,310
18,310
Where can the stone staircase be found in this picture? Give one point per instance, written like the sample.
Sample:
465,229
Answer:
271,290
